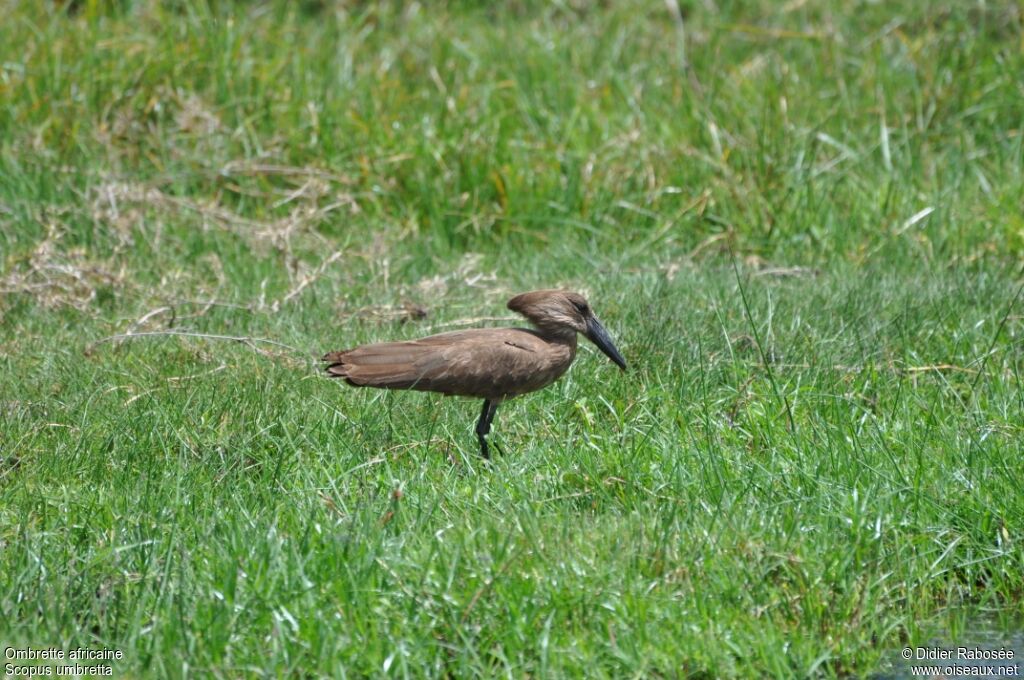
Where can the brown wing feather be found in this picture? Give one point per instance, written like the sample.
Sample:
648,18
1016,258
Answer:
488,363
388,364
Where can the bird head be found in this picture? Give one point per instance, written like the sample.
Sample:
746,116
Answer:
562,311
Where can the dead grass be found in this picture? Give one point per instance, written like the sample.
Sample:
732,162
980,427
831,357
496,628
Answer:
55,277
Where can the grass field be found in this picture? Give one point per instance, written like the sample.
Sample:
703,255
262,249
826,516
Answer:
803,223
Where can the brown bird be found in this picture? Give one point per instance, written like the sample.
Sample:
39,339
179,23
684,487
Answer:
493,364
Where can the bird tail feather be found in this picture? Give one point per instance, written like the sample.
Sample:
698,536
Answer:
394,365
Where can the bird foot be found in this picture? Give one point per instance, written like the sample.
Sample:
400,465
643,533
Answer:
485,448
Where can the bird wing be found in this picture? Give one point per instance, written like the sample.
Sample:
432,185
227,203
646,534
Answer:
490,363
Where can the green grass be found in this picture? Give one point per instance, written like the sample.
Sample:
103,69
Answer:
802,224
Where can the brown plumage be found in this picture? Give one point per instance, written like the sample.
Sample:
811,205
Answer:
492,364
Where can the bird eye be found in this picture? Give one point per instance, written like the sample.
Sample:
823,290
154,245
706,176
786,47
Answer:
581,307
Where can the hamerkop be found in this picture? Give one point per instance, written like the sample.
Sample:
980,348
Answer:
493,364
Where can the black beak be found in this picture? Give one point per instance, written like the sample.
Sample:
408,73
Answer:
599,336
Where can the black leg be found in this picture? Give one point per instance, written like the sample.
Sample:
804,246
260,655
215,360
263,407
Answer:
490,419
483,425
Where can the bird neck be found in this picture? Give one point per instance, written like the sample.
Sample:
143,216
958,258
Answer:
558,334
